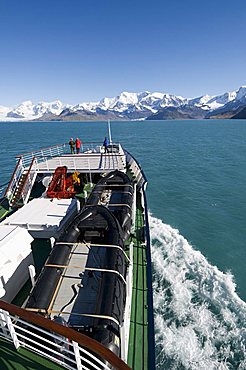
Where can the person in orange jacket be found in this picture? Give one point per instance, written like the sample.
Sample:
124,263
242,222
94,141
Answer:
78,145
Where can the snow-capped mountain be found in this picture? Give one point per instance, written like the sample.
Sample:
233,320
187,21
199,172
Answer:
232,106
129,105
28,111
124,106
207,102
220,106
3,112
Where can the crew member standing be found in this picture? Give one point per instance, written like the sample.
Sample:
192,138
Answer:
78,145
105,144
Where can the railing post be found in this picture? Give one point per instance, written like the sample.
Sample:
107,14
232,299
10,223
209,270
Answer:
11,329
36,164
21,164
77,355
89,168
3,324
32,274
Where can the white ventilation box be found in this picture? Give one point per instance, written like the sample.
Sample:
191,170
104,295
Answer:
16,256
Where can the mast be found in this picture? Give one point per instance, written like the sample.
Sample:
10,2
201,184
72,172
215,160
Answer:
109,132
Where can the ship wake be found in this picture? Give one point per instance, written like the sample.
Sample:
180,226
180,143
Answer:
199,318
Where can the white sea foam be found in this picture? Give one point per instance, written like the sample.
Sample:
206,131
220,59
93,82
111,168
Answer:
200,321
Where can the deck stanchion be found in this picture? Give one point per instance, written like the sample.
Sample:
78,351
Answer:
77,355
32,274
11,329
3,325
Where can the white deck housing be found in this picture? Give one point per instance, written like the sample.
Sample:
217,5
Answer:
44,217
16,256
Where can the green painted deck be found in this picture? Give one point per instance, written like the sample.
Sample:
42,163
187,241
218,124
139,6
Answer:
138,341
4,208
3,212
10,359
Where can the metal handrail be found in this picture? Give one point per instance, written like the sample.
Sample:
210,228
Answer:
63,145
48,152
42,149
12,177
3,188
18,171
84,341
55,146
26,180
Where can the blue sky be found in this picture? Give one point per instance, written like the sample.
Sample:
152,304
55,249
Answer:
78,50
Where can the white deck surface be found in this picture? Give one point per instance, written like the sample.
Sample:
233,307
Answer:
16,255
43,217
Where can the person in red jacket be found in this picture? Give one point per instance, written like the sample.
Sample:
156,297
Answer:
78,145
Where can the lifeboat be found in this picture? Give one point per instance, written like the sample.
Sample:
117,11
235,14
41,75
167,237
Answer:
103,224
61,186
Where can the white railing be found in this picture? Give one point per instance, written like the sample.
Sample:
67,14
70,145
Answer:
40,154
91,148
136,169
15,182
3,188
86,161
73,163
18,172
60,149
95,147
31,176
48,344
123,155
55,341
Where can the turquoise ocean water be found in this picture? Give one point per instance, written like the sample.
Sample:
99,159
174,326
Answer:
196,174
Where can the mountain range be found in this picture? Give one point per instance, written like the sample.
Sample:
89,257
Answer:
134,106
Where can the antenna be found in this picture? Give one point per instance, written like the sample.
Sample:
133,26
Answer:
109,132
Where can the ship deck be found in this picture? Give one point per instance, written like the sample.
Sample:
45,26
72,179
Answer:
138,356
138,340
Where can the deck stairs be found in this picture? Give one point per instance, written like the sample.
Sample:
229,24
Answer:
21,183
17,196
